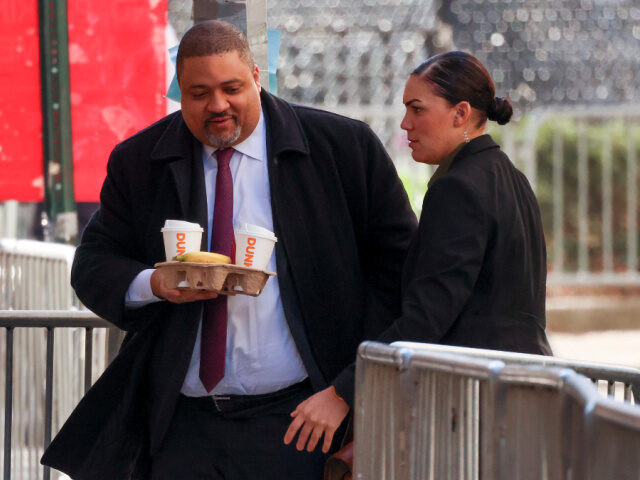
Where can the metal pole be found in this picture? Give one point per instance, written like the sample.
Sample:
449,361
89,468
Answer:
56,119
250,16
48,406
114,340
531,165
632,206
257,36
583,200
558,203
88,357
8,405
607,202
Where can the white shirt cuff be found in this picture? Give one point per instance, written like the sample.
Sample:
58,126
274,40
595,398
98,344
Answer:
139,293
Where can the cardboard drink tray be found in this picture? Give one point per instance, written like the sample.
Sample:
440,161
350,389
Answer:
222,278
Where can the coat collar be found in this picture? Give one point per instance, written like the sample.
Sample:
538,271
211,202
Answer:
477,145
176,141
284,131
180,149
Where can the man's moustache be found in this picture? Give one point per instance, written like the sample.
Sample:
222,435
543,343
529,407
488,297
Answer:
220,115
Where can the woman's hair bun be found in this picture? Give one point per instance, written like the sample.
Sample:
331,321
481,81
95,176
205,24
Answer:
500,110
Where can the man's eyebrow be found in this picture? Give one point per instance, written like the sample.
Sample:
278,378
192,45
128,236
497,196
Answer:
228,82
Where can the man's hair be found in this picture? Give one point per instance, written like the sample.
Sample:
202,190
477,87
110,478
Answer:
213,37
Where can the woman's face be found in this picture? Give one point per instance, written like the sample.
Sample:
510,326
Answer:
429,122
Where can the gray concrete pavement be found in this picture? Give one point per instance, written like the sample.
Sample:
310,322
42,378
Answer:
621,347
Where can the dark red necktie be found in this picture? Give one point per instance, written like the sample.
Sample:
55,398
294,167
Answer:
214,320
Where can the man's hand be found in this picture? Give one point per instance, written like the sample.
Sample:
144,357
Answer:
175,295
319,414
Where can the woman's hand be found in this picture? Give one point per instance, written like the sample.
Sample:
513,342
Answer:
320,414
175,295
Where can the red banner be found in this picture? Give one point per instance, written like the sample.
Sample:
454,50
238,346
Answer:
20,108
117,67
117,54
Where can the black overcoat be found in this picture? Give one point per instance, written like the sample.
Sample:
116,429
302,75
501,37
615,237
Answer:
343,223
476,270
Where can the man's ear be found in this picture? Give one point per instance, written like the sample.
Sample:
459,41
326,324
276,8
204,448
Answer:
256,77
463,112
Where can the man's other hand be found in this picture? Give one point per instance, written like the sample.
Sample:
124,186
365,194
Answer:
175,295
320,414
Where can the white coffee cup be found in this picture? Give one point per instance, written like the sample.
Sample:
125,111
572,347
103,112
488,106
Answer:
254,246
180,237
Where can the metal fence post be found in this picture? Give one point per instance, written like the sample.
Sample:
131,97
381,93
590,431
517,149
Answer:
583,200
632,206
8,405
48,403
56,118
88,357
249,16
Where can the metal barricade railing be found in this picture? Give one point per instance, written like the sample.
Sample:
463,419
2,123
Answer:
522,426
620,382
35,275
29,423
613,448
434,412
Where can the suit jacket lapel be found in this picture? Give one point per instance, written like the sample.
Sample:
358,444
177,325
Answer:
181,173
183,153
178,147
287,148
290,180
179,153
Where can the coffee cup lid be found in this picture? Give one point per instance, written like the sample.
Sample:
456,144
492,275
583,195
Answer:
247,228
181,225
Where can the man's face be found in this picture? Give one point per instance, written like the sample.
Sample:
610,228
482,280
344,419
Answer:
220,98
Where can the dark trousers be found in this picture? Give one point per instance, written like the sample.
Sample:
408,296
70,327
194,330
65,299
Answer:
237,438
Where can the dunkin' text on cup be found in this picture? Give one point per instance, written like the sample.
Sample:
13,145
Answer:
249,252
181,244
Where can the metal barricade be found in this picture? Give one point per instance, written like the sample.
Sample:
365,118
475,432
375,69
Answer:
407,408
35,275
30,420
613,442
521,424
620,382
434,412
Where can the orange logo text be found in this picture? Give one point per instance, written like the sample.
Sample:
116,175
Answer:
250,252
181,245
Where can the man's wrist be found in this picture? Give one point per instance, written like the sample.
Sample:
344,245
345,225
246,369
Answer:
140,292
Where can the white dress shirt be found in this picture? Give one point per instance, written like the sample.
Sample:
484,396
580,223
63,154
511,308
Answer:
261,355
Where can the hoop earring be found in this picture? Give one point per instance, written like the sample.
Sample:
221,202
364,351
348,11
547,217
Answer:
465,135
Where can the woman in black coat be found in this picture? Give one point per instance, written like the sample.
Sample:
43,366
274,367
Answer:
475,274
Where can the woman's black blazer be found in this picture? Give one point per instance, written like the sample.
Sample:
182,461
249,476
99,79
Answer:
475,273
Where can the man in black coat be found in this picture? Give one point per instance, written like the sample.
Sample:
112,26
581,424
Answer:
343,224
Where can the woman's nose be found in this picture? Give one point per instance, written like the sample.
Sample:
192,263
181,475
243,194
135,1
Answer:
405,124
